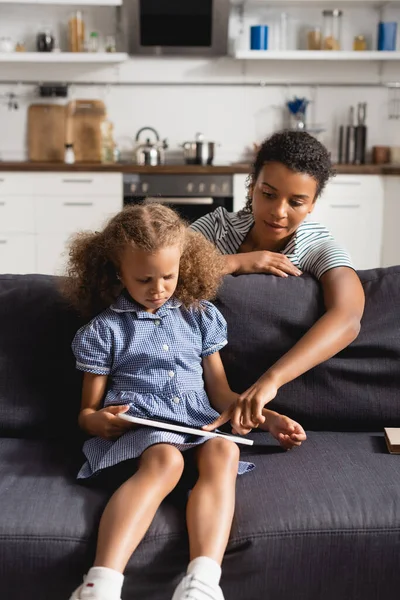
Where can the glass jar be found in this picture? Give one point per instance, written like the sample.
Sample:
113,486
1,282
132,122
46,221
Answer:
76,31
360,43
332,29
94,42
314,39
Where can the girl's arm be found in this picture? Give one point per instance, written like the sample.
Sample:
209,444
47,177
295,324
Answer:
217,387
335,330
96,421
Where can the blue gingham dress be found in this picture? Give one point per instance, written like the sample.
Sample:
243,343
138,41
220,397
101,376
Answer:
154,364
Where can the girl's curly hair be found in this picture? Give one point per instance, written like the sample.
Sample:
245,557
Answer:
91,283
298,151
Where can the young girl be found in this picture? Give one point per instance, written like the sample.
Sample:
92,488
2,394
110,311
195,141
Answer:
152,354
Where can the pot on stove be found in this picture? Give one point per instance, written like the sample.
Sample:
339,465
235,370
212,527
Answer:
199,152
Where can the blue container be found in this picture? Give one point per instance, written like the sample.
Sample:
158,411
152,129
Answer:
387,36
259,37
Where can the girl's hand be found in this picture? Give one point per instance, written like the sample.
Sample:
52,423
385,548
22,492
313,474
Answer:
105,423
246,413
266,262
289,433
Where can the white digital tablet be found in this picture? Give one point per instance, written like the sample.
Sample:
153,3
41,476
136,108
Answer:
185,429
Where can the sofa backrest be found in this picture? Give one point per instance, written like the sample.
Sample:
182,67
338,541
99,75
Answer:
39,386
357,389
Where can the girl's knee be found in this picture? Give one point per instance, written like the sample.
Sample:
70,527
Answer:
166,460
219,451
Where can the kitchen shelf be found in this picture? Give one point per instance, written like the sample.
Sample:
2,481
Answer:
63,57
66,2
324,3
332,55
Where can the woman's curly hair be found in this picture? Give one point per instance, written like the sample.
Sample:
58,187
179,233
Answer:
92,284
298,151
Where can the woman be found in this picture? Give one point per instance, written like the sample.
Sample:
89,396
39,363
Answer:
270,235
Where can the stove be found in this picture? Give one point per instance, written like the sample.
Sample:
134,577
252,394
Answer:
192,195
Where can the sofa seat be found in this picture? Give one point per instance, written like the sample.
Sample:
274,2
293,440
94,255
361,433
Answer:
310,512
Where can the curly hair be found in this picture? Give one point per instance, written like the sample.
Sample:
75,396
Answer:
91,283
298,151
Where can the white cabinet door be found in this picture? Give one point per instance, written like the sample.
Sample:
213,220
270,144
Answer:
51,253
17,253
351,207
391,222
67,214
78,184
239,191
17,214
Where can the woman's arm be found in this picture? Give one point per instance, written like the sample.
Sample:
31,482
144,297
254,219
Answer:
288,433
335,330
261,261
95,421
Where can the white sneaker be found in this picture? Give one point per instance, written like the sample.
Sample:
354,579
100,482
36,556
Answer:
77,594
193,588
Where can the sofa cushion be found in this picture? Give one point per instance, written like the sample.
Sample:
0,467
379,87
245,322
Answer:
359,388
39,386
323,520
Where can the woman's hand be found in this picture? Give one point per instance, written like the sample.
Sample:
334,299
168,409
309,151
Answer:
246,413
105,423
262,261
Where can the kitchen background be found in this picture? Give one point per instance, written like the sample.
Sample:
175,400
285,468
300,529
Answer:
235,100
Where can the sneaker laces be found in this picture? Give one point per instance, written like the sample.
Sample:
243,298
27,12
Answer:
198,589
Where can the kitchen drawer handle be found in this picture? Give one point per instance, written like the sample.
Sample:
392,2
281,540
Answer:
78,203
3,241
2,203
196,201
344,205
77,180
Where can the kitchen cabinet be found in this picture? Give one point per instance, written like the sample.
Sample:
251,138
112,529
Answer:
352,208
40,211
239,191
17,253
391,221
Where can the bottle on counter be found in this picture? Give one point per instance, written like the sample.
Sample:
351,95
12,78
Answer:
76,32
107,142
69,154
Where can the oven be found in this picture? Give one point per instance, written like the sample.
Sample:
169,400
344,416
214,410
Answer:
177,27
192,196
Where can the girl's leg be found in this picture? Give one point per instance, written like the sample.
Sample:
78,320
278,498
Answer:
132,507
209,518
127,517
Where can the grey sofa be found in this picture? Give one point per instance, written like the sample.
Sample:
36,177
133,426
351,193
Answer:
319,523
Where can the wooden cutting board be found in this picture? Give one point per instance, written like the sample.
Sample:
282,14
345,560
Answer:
46,132
83,129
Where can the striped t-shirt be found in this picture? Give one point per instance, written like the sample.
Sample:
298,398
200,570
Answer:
312,247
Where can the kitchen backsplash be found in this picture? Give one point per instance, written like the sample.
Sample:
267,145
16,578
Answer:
233,116
230,101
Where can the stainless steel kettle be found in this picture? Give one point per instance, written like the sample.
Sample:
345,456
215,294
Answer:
150,153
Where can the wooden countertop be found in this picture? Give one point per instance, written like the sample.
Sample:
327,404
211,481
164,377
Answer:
232,169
